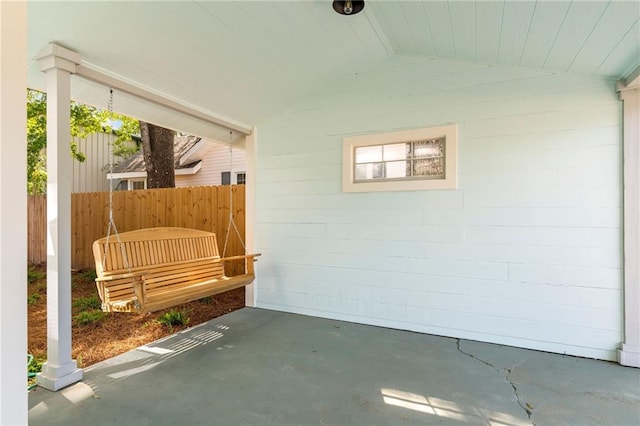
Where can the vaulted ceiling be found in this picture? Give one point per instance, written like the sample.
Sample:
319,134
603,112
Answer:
247,60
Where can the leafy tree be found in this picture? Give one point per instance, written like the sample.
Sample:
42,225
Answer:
84,121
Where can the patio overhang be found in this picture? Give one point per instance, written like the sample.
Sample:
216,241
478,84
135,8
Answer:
147,104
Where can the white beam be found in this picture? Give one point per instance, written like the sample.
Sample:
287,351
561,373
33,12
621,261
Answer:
119,84
13,213
59,370
629,353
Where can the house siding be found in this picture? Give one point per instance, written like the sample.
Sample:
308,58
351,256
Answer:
91,175
525,252
218,160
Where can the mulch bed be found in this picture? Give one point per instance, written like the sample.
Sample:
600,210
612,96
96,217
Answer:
113,333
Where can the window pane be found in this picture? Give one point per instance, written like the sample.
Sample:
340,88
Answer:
369,171
226,178
241,178
138,184
397,169
397,151
432,167
429,148
368,154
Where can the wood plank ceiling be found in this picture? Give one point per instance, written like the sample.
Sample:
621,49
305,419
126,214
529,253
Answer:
249,60
583,37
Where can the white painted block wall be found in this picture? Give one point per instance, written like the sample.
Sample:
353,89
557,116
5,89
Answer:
527,250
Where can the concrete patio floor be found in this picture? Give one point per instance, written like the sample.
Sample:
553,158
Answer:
259,367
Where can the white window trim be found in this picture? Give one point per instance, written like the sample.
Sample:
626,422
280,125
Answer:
131,181
449,182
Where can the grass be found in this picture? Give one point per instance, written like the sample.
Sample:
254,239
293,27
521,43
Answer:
87,303
33,298
88,275
85,318
34,275
174,317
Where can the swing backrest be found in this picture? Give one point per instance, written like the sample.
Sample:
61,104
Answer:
135,250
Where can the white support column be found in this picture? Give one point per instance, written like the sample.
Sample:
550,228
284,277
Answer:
250,210
59,370
13,213
629,352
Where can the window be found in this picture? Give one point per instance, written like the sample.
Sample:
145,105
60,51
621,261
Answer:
130,184
416,159
240,178
405,160
138,184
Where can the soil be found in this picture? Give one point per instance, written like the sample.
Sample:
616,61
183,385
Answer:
106,335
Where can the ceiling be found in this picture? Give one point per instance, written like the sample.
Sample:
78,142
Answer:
247,60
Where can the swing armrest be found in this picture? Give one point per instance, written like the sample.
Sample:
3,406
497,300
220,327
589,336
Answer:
250,258
137,274
239,257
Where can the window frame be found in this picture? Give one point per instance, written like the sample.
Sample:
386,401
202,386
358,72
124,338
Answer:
244,178
349,144
235,175
131,183
227,175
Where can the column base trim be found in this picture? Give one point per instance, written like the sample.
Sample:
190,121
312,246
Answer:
57,383
629,356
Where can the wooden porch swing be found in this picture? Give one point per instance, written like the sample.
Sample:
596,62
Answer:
151,269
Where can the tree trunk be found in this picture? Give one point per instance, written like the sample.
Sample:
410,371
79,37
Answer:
157,148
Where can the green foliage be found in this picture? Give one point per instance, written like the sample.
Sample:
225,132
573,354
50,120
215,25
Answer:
174,317
85,303
33,298
85,120
36,141
35,365
128,128
34,275
88,317
89,275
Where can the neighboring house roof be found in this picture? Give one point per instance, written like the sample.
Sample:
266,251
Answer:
188,154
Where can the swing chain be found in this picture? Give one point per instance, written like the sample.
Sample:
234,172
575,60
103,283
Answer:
231,221
110,104
112,223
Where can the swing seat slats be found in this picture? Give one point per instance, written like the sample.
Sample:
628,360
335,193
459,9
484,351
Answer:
152,269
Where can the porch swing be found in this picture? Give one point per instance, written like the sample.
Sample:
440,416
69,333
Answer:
151,269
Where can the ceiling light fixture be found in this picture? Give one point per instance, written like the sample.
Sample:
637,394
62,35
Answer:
348,7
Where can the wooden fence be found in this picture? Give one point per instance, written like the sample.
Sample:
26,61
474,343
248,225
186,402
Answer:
200,207
37,229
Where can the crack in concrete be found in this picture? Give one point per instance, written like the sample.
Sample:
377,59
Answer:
528,408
